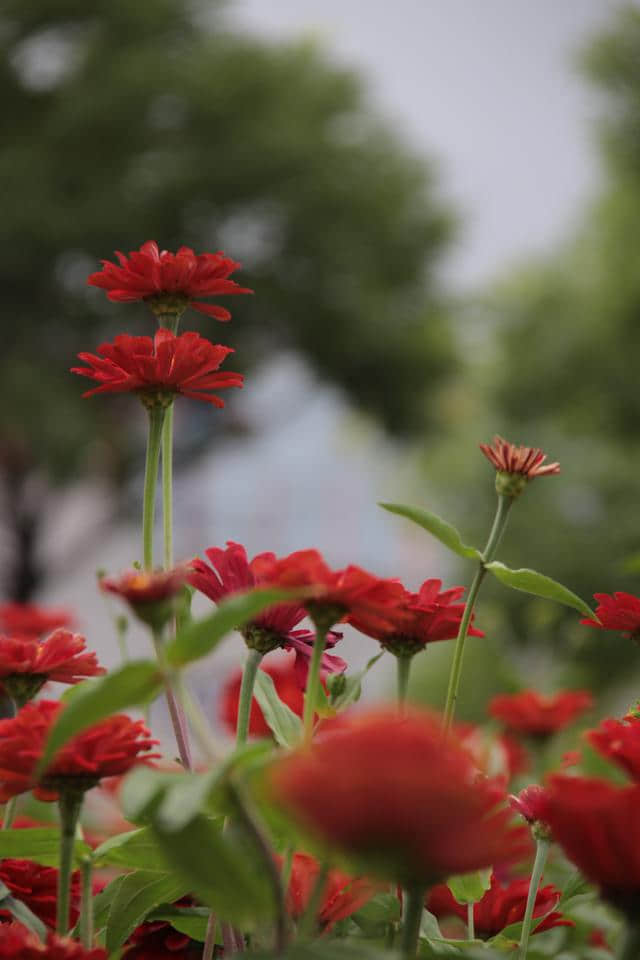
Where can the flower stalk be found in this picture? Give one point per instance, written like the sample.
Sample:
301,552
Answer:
176,712
471,924
313,683
411,923
167,487
86,906
9,813
69,805
156,420
403,669
246,695
542,849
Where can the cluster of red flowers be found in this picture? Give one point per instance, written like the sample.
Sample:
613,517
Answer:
18,943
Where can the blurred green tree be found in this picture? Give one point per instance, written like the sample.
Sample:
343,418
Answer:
130,121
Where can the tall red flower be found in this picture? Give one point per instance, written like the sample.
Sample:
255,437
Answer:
37,887
403,799
527,461
107,749
18,943
159,368
28,620
342,895
169,279
501,906
619,741
619,611
537,715
26,663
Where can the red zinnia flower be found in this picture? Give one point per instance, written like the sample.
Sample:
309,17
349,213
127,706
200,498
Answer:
530,803
621,611
342,894
597,825
151,595
619,741
26,663
527,461
394,792
500,906
169,279
18,943
158,940
27,620
107,749
37,887
168,364
536,715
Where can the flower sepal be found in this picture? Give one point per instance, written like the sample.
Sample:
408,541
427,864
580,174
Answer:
510,484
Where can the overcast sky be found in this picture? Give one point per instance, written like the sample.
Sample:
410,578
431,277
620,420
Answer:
488,87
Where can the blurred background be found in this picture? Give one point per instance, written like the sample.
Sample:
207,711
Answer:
437,204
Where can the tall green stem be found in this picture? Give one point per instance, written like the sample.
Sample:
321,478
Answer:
542,849
497,530
471,922
69,805
210,937
86,906
307,928
156,419
167,487
176,712
411,922
403,669
246,695
313,684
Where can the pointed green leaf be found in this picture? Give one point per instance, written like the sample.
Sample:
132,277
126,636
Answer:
345,689
470,887
41,844
437,527
200,637
192,921
102,905
137,895
135,850
530,581
285,725
130,686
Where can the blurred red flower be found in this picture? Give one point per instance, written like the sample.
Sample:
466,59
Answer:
27,620
159,368
152,595
18,943
619,611
107,749
500,906
158,940
619,741
37,887
530,803
526,461
61,657
342,894
537,715
496,753
154,275
394,792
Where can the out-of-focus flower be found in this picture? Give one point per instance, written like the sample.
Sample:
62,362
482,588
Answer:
170,282
497,754
537,715
26,663
500,906
37,887
151,595
406,801
18,943
530,803
157,369
516,466
342,895
158,940
282,672
107,749
619,741
619,611
27,620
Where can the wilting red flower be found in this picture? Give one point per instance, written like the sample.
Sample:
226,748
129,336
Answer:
368,602
597,825
107,749
18,943
150,594
342,894
37,887
422,618
500,906
392,791
620,611
159,368
158,940
530,803
527,461
27,620
537,715
161,276
619,741
26,663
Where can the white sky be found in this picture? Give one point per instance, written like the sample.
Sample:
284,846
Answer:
488,87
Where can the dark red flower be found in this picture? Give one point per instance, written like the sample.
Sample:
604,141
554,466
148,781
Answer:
342,896
537,715
620,611
619,741
26,663
159,368
530,803
422,618
527,461
392,791
158,940
27,620
500,907
169,279
598,824
18,943
107,749
37,887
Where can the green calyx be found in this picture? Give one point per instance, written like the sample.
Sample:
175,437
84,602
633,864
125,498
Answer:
402,646
156,399
168,308
510,484
23,687
260,639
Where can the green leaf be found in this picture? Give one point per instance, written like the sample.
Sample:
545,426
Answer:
345,689
131,685
192,921
285,725
529,581
136,850
437,527
137,896
200,637
102,905
41,844
374,916
21,912
470,887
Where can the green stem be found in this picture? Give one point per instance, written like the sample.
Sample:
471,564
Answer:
471,924
167,487
246,695
497,530
307,928
176,711
210,937
156,418
69,805
287,864
411,923
9,813
542,849
86,906
313,684
630,945
403,669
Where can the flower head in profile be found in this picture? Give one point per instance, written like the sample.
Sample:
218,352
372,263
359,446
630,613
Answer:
515,466
618,611
157,369
169,282
408,821
530,803
533,714
152,595
37,887
107,749
18,943
342,895
28,620
26,663
619,741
